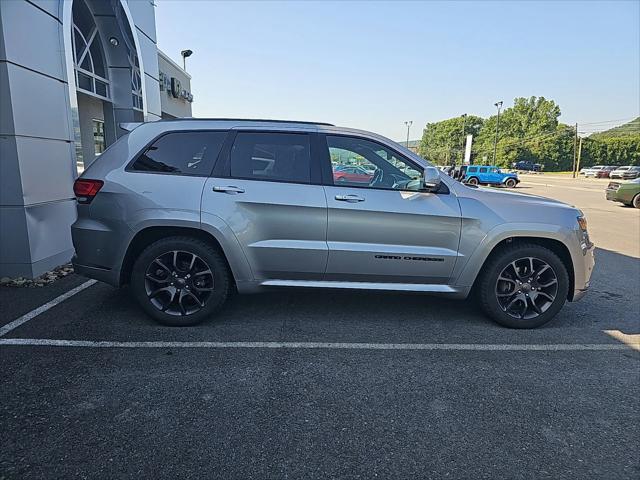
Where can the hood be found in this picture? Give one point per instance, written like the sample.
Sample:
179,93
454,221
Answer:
507,198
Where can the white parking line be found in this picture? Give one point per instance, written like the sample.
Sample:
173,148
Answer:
34,313
319,345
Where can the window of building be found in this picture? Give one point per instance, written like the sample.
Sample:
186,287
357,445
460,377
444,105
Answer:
364,163
88,58
186,153
98,136
284,157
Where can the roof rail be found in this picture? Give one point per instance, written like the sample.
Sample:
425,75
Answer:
267,120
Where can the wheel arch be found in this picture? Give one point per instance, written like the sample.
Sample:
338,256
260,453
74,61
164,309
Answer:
556,246
551,238
150,234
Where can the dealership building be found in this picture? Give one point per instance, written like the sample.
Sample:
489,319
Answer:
70,72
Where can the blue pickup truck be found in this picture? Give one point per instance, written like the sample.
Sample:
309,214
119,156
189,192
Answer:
490,175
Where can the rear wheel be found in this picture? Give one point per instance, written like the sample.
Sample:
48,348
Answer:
473,181
180,281
523,286
510,183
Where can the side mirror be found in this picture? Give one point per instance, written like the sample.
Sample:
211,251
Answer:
431,179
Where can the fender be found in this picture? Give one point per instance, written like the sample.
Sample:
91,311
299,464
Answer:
467,271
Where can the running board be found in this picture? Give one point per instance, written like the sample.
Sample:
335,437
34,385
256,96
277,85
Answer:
399,287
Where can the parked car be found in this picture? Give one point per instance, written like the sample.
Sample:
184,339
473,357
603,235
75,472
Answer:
490,175
626,173
527,166
591,171
625,192
187,210
606,171
351,174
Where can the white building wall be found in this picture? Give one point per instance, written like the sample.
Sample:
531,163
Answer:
37,159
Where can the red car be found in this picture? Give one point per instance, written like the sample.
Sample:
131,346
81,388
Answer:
351,174
605,171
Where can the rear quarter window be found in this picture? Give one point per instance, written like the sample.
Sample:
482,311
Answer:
181,153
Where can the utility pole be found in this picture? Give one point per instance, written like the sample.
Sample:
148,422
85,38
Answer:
408,124
464,120
495,142
575,152
579,154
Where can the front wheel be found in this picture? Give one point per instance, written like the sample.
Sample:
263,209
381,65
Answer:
510,183
523,286
180,281
636,201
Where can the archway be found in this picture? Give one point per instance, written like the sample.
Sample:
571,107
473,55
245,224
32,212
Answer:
105,74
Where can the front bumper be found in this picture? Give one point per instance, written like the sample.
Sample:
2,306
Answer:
583,274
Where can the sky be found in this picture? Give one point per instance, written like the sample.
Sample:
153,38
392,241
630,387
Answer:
374,65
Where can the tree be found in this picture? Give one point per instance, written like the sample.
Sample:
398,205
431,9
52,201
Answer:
442,142
529,130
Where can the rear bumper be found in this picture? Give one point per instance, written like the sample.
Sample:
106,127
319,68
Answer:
101,274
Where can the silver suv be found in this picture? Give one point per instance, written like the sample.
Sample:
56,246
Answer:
187,211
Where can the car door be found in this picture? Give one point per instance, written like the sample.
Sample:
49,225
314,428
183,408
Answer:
266,188
493,176
390,230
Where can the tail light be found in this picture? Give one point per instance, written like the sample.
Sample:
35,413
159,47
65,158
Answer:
85,189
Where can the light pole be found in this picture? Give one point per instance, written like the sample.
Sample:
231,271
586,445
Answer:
495,142
185,54
408,124
464,120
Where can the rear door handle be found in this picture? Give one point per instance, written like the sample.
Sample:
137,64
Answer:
349,198
228,189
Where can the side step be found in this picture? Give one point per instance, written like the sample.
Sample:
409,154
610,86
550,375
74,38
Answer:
398,287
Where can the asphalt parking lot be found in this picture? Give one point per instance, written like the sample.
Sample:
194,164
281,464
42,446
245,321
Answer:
299,384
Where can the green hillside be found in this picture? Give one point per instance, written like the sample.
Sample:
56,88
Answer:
628,129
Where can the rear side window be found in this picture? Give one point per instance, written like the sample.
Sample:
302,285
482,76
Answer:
483,169
182,153
284,157
472,169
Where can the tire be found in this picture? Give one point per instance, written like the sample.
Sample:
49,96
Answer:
473,181
189,297
492,290
510,183
636,201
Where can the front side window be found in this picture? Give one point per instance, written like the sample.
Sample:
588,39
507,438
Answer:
284,157
364,163
186,153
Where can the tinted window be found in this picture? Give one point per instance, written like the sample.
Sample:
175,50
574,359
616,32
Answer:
472,169
364,163
284,157
187,153
483,169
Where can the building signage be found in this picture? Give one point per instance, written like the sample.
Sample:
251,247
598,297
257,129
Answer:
173,87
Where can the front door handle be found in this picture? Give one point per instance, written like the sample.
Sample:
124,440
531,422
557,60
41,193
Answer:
349,198
228,189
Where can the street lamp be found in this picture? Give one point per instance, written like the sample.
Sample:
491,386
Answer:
464,120
408,124
495,142
185,54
